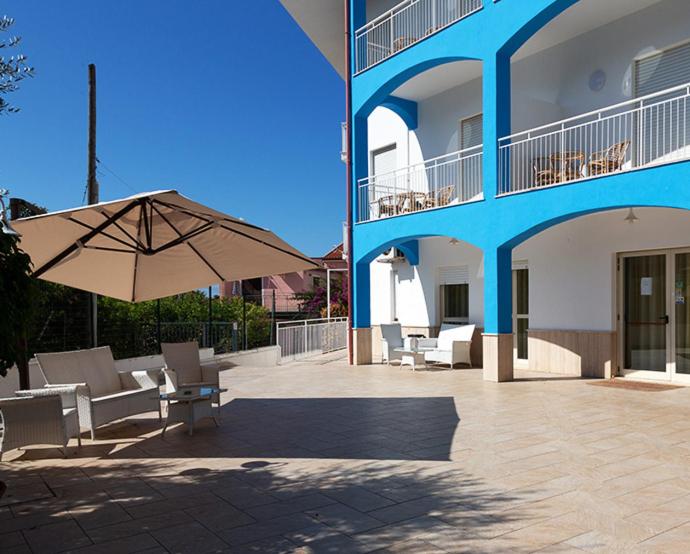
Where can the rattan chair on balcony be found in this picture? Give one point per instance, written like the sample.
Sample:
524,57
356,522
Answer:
442,197
609,160
544,172
393,204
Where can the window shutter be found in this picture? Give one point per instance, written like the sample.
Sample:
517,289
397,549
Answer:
471,132
458,275
662,70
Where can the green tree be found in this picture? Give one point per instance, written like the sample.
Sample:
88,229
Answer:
14,69
17,293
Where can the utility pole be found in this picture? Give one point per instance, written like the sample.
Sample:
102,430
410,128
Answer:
92,190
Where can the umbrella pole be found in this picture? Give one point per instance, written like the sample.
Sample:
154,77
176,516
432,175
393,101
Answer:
158,323
210,317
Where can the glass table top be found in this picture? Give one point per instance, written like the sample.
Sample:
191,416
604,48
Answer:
189,394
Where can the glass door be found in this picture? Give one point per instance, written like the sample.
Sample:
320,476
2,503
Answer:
645,315
681,317
520,316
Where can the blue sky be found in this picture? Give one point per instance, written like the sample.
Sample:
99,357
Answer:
226,101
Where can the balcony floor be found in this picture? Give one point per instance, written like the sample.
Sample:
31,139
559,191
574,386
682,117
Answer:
321,457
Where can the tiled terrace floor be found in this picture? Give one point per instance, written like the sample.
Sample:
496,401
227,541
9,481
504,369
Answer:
327,458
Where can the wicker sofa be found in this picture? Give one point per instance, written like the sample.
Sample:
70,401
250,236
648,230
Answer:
103,394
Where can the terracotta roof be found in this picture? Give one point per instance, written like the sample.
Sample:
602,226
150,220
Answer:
336,253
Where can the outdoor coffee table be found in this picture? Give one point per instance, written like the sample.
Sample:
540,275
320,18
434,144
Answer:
189,405
411,357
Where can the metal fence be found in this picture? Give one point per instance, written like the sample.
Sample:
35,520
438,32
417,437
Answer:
449,179
299,339
405,24
647,131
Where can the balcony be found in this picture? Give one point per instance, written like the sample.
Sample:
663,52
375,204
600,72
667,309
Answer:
645,132
448,180
404,25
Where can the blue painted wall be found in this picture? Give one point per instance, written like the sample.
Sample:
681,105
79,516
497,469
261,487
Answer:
496,225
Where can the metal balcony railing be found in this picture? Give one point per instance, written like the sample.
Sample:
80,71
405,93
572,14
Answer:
450,179
644,132
405,24
299,339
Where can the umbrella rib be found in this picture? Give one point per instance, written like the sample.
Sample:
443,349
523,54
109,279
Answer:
182,238
106,249
236,222
188,243
206,217
88,236
283,250
108,235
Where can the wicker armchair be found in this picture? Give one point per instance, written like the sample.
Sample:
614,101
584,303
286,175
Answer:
544,172
442,197
609,160
183,368
43,416
392,204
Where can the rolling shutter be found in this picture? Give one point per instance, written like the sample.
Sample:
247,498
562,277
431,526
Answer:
663,125
662,70
458,275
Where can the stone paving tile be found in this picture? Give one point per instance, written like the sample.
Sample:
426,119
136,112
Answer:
219,515
138,526
56,537
345,519
301,504
266,529
359,498
127,545
189,538
327,458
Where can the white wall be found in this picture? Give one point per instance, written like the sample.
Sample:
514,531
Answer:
418,303
572,266
571,269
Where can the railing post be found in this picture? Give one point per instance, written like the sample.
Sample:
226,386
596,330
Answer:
306,342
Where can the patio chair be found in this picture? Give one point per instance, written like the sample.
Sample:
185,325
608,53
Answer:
609,160
544,172
43,416
392,204
392,339
442,197
103,393
451,347
183,368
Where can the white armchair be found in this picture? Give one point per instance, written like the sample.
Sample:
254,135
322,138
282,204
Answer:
103,394
392,339
43,416
451,347
184,368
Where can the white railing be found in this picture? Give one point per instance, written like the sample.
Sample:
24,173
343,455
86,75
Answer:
299,339
407,23
450,179
647,131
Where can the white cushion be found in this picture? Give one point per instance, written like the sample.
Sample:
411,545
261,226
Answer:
451,333
392,334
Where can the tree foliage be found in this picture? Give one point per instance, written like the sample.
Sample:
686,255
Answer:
17,292
315,302
13,69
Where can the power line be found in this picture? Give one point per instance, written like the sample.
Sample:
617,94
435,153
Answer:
130,187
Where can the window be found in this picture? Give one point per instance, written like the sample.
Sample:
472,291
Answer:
455,294
471,131
384,160
456,303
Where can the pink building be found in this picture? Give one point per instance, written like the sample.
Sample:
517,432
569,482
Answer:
285,286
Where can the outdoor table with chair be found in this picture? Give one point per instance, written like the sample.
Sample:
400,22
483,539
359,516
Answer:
571,165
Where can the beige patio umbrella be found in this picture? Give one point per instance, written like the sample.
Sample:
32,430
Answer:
150,246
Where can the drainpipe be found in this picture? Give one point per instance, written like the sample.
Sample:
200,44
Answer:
348,118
